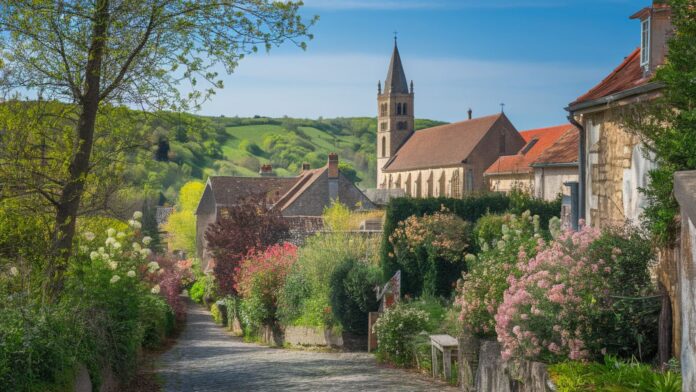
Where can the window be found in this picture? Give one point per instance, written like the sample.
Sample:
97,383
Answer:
401,125
441,185
383,126
403,110
384,146
469,180
645,42
383,109
398,109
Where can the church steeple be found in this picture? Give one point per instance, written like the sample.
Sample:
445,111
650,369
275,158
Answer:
396,82
395,114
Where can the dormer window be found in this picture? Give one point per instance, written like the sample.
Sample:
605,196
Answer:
645,42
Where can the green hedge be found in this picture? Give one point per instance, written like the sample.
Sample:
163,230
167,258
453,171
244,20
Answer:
469,208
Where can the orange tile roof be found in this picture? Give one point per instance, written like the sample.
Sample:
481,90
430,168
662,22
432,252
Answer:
538,141
565,150
444,145
628,75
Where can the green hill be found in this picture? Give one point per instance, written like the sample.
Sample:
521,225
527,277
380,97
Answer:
181,147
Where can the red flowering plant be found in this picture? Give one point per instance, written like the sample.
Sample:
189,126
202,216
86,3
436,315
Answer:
169,280
480,292
260,278
548,311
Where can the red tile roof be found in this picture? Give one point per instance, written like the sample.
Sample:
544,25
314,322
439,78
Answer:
444,145
538,141
565,150
628,75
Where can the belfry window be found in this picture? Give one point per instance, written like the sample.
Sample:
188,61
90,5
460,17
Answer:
403,110
398,109
384,146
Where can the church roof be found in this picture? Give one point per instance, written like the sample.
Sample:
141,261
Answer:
444,145
396,82
538,141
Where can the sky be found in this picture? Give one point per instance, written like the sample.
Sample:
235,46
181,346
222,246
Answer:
535,56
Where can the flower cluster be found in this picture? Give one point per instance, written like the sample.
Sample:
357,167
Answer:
480,292
443,233
115,254
548,309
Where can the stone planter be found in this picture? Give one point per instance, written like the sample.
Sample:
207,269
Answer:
310,336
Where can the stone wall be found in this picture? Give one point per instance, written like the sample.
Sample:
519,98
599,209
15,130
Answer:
308,336
685,192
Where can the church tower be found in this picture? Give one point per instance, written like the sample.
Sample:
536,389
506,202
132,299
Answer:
395,120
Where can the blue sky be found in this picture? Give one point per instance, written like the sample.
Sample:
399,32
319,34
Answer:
534,55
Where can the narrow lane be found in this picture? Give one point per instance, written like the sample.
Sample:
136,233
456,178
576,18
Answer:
206,358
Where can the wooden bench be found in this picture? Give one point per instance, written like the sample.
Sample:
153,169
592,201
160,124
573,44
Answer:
445,344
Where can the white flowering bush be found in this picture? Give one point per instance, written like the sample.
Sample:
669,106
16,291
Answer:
395,331
123,252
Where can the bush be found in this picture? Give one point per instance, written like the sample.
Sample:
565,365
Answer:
469,208
305,297
562,306
157,320
481,291
197,291
395,330
612,375
215,313
352,294
430,252
260,279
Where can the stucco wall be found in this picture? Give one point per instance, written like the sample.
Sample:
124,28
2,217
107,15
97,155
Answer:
400,180
548,181
507,182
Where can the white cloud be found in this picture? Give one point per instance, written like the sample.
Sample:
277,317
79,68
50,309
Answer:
346,85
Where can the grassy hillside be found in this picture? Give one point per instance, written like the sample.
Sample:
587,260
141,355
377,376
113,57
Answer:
182,147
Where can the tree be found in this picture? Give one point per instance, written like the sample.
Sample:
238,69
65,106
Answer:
667,126
247,227
96,53
181,225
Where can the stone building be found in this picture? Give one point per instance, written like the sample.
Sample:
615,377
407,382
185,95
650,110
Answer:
521,171
612,164
301,199
447,160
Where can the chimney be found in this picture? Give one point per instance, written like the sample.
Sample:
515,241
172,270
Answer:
266,170
305,166
333,165
470,112
655,31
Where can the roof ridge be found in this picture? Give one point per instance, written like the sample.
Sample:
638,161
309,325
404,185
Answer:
626,61
289,196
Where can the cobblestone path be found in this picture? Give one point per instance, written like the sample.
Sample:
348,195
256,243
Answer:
206,358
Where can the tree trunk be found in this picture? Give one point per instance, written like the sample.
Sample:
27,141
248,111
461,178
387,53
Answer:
71,193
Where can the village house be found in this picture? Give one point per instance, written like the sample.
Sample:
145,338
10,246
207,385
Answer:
613,166
447,160
541,167
301,199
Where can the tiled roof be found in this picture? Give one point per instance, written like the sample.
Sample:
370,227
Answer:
396,82
232,190
538,141
565,150
307,179
444,145
628,75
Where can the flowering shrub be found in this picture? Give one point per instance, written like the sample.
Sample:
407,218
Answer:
395,330
260,279
430,251
547,311
563,303
505,240
169,281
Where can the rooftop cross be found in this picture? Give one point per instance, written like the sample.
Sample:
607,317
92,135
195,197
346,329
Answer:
502,108
396,33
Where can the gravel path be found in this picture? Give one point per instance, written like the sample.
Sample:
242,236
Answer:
206,358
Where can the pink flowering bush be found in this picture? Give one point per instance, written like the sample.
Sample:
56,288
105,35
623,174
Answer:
546,312
259,281
169,280
505,241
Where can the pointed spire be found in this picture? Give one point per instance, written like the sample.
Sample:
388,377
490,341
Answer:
396,82
379,87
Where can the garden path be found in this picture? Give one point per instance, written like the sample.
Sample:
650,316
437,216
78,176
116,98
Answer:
206,358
